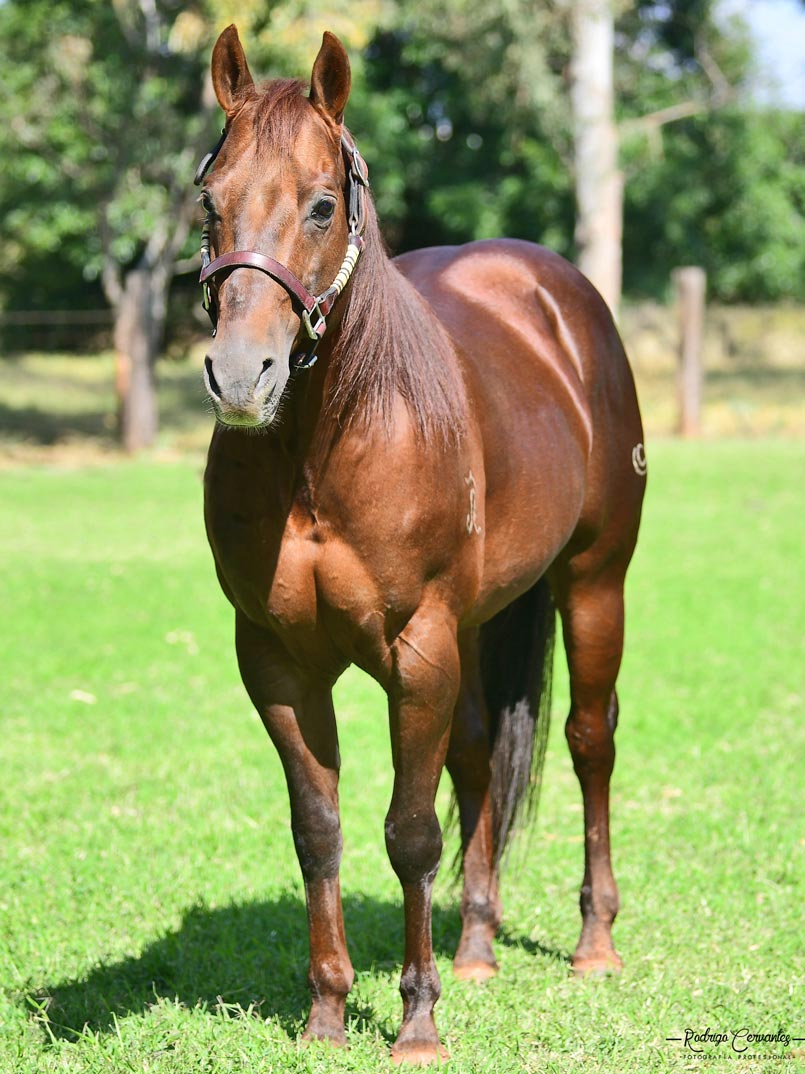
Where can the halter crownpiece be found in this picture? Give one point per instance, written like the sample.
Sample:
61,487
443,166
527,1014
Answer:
313,310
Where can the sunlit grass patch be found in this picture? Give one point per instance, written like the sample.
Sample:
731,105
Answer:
151,911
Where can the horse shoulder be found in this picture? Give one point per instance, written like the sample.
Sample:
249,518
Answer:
400,506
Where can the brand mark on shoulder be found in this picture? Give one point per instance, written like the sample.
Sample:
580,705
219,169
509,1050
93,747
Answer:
472,514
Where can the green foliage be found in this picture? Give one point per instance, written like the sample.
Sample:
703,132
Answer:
152,912
484,122
461,110
722,189
106,114
743,219
473,140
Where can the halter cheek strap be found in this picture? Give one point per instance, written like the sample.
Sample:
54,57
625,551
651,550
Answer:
313,310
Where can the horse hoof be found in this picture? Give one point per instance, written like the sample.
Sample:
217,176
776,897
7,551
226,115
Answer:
475,971
601,966
419,1054
335,1037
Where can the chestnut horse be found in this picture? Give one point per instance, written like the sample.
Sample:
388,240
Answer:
464,456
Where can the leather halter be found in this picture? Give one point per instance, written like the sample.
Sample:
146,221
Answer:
313,310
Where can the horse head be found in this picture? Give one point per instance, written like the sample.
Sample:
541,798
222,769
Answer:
278,199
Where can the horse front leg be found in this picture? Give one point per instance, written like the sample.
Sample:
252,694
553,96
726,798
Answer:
422,695
298,715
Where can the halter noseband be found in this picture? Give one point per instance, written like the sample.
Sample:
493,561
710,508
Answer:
313,310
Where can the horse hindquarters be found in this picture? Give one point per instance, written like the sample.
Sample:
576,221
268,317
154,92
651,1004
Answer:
496,751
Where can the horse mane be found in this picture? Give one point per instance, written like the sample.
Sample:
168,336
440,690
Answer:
390,341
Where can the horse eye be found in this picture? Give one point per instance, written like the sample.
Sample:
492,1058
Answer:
207,203
323,210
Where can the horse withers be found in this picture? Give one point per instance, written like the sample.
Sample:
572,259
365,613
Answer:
451,449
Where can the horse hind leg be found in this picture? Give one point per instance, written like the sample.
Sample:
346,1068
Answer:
495,755
468,762
592,620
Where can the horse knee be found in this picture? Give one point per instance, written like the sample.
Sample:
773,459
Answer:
318,841
420,987
590,736
414,844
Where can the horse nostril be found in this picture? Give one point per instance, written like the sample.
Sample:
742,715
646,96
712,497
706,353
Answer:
264,374
212,384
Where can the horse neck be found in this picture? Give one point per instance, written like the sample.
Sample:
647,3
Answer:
387,344
383,343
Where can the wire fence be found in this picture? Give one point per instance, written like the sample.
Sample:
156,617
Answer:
23,331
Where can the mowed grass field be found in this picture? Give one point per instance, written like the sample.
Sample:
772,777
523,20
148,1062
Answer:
151,910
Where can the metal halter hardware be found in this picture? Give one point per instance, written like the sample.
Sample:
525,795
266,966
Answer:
313,310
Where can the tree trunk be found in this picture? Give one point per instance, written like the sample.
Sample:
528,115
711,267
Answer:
599,182
139,330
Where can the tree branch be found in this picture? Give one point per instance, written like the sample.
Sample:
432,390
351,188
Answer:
153,28
722,93
671,114
187,265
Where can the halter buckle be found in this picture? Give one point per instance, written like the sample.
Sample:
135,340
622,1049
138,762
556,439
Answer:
314,330
303,361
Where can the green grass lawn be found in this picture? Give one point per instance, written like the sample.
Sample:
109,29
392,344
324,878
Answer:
151,914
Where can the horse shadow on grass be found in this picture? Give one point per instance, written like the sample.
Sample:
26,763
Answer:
48,427
243,958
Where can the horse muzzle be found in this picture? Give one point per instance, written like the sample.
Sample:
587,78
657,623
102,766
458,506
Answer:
242,396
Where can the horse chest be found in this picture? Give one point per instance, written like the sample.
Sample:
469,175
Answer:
305,584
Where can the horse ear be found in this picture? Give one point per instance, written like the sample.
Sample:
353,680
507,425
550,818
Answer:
231,76
331,79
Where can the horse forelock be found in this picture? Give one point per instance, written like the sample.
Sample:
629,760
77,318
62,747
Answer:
278,110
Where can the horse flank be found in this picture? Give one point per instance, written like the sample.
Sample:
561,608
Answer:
390,341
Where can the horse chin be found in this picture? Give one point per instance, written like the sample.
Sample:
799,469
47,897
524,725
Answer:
255,419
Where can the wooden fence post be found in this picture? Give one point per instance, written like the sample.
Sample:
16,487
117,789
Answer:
690,284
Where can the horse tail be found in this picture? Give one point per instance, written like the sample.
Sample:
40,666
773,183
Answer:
516,661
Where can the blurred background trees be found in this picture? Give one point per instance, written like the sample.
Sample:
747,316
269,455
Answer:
111,110
107,110
465,112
